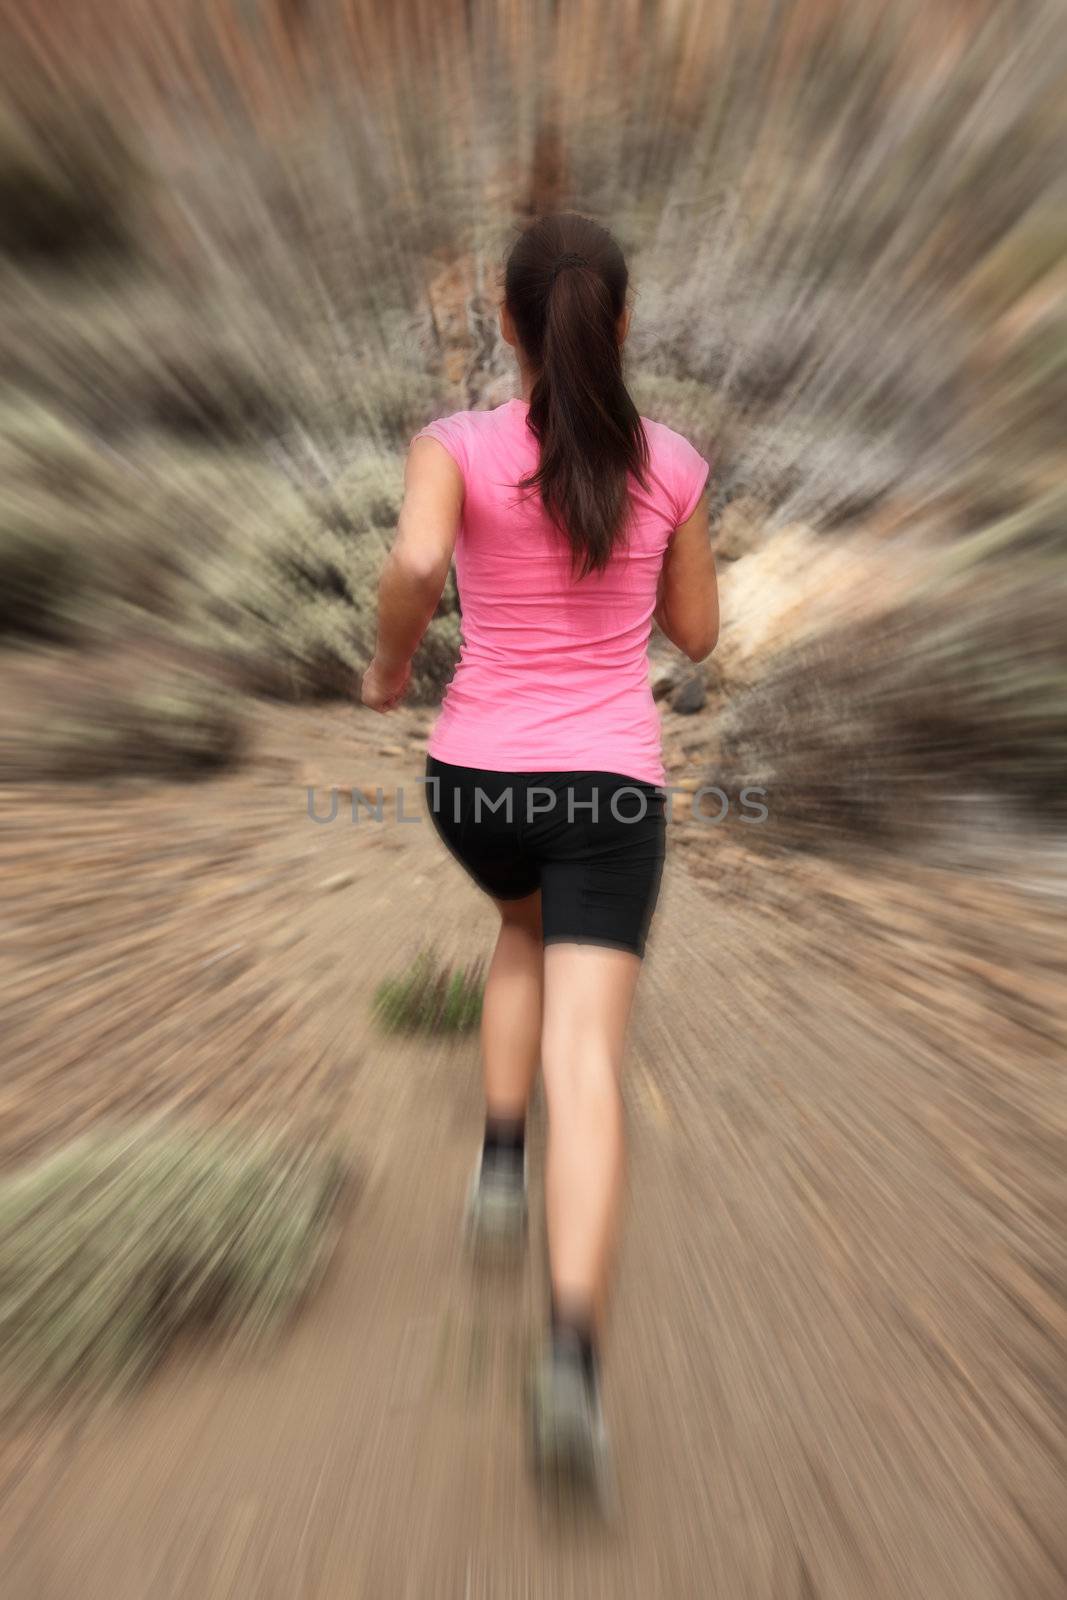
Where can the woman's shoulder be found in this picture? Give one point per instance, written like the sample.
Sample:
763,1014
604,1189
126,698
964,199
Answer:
461,431
677,466
667,440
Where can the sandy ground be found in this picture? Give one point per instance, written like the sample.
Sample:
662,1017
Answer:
836,1366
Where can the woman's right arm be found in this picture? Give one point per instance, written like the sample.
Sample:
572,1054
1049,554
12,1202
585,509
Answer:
414,573
687,608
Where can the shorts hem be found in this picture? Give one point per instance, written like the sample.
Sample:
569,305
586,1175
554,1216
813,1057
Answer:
628,945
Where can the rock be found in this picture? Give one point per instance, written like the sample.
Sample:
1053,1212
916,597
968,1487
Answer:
339,880
312,778
382,794
798,583
664,678
690,696
452,293
498,390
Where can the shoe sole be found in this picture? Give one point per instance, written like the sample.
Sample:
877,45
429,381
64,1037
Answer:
496,1223
569,1448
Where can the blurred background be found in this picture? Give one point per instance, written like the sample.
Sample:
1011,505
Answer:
247,248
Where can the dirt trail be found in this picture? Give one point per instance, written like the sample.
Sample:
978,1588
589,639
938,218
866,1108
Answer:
828,1377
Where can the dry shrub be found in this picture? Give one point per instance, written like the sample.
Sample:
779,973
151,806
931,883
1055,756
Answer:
58,492
877,730
291,599
91,540
688,406
170,724
391,403
117,1246
68,182
135,357
247,575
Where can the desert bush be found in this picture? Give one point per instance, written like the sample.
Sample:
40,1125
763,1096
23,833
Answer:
119,1245
42,574
391,403
1034,384
170,724
431,997
221,554
365,497
291,598
68,178
90,540
875,731
684,404
128,359
54,488
314,254
206,393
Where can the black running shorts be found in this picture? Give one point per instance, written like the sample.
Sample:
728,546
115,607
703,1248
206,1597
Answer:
592,842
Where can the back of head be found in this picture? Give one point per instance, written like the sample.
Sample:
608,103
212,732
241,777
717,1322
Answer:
565,287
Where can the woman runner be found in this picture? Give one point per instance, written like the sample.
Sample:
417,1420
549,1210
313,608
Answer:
574,523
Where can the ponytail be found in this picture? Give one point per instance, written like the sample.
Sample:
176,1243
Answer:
565,287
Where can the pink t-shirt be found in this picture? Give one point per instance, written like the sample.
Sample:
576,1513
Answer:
553,673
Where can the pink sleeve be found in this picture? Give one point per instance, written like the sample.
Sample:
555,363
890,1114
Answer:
452,433
688,477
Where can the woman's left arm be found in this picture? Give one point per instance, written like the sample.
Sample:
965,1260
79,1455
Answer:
413,577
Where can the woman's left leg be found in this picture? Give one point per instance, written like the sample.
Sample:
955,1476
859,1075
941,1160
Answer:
511,1010
511,1053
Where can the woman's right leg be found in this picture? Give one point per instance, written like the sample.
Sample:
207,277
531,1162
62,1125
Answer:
589,990
588,994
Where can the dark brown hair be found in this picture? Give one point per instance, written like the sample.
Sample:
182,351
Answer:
565,287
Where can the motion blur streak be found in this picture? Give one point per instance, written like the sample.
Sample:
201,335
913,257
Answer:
247,248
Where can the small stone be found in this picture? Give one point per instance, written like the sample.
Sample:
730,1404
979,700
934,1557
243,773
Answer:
222,955
690,696
311,778
339,880
664,679
371,799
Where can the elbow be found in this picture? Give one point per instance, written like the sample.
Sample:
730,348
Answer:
424,574
700,647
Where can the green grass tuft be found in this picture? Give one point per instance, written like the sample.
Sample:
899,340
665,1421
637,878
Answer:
431,997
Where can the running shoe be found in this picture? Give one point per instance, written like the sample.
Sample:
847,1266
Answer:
568,1439
496,1214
